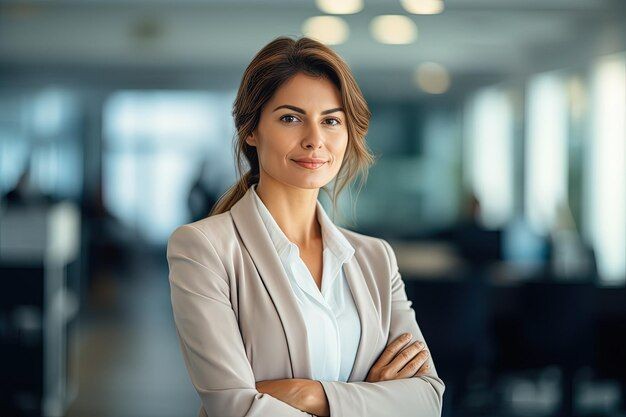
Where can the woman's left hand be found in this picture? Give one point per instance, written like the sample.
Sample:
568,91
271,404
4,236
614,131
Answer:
304,394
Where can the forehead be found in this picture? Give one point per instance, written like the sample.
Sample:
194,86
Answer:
305,91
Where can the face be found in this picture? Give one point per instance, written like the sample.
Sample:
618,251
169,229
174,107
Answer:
303,121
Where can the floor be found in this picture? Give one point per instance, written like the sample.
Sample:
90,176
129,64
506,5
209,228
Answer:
129,362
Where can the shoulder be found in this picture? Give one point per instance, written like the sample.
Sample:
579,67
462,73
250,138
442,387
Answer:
359,239
370,246
211,228
195,264
204,238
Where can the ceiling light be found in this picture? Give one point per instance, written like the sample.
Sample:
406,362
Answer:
339,7
330,30
393,29
423,6
432,78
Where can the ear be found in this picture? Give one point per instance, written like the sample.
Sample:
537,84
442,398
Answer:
251,140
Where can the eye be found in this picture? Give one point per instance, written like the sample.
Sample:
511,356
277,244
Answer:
337,121
289,116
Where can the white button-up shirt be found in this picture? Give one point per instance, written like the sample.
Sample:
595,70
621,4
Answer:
332,321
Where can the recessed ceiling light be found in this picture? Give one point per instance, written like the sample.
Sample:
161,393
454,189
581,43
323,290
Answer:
393,29
423,6
330,30
339,6
433,78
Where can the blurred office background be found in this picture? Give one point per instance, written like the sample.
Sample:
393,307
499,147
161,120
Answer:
500,130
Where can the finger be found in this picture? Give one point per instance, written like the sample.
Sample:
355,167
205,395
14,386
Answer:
414,365
424,370
404,357
392,349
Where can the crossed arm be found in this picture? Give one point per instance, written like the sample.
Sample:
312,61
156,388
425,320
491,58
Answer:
304,394
215,357
375,398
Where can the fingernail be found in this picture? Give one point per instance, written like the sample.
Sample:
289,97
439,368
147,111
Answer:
406,335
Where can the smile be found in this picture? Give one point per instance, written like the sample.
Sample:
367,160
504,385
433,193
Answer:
310,165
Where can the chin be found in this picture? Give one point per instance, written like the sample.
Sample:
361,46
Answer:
308,185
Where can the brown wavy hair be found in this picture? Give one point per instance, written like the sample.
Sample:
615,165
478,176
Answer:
272,66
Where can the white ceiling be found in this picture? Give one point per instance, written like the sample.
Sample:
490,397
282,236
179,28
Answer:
475,39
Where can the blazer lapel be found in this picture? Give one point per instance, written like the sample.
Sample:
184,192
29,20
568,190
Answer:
259,244
370,328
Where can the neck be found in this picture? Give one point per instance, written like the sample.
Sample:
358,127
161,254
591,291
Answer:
293,209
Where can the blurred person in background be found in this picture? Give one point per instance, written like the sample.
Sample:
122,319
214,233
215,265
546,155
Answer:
202,197
278,310
25,192
477,244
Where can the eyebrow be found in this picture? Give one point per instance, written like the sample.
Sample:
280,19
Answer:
299,110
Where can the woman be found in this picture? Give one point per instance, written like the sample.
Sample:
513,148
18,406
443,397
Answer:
278,311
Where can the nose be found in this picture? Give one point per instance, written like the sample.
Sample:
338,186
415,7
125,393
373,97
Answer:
314,137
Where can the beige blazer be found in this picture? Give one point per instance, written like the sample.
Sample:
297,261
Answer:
238,322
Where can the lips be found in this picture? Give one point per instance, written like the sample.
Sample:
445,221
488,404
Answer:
315,160
310,163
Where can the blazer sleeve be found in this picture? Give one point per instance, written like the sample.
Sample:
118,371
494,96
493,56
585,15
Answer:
208,332
421,395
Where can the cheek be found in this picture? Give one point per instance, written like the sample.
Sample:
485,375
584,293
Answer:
275,155
340,147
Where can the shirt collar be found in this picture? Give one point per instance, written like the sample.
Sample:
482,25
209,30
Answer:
332,237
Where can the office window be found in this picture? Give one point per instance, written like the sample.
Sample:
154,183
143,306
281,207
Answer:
488,154
154,143
546,150
40,132
605,179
